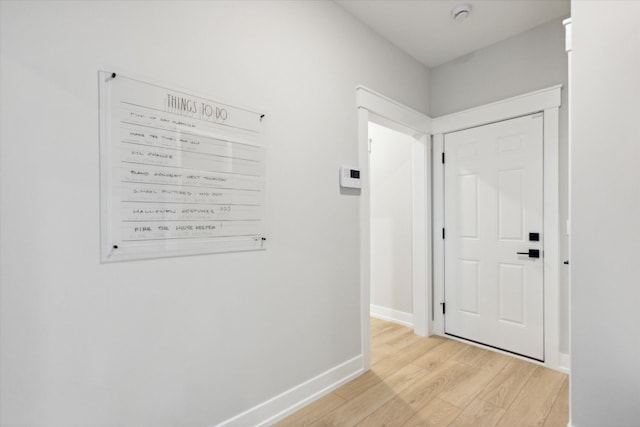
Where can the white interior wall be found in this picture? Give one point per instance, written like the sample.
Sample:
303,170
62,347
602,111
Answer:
533,60
605,288
390,171
192,340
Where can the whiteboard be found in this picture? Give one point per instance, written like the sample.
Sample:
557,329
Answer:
181,174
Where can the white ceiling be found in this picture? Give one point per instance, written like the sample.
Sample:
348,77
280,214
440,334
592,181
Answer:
425,30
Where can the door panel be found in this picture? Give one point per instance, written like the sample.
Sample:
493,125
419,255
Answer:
468,286
493,200
511,205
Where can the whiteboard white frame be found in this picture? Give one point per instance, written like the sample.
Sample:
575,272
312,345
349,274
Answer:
170,248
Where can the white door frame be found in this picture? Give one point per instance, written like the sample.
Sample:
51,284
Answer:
548,102
372,104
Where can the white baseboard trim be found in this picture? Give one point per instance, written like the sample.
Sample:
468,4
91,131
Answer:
295,398
564,363
391,315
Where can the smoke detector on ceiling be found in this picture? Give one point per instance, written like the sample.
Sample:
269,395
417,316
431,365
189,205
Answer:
460,12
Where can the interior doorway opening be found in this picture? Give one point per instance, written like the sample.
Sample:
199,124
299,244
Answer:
391,224
377,108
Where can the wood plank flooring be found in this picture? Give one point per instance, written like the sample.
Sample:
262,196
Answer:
435,381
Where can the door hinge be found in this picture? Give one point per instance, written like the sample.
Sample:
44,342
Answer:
444,310
443,158
443,233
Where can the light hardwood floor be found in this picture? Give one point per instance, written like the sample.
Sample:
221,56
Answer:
435,381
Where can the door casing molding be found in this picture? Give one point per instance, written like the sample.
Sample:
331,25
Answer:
373,106
548,102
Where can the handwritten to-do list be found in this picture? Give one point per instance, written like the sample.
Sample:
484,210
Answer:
181,174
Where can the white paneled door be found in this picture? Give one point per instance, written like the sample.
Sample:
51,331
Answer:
493,235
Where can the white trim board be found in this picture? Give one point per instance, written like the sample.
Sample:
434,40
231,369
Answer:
373,106
391,315
496,111
391,109
292,400
547,101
